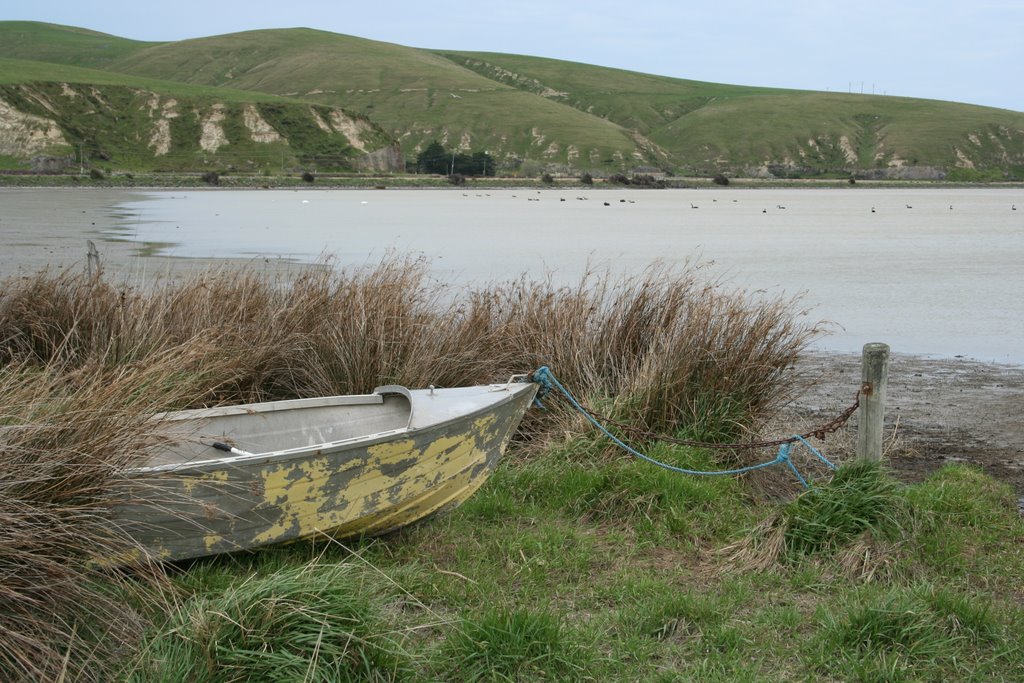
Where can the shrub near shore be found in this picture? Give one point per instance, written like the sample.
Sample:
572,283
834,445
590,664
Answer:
569,564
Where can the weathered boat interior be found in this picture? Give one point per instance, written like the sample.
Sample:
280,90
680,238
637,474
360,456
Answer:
279,426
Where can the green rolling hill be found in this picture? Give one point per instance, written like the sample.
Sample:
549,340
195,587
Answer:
529,113
63,44
708,126
416,95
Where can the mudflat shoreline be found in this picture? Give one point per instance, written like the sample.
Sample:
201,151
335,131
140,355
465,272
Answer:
938,410
57,240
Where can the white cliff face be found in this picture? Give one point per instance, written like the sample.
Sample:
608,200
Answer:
353,129
162,113
213,137
149,119
383,160
259,129
25,135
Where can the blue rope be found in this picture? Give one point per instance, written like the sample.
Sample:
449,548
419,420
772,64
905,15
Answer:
786,448
549,383
542,377
814,450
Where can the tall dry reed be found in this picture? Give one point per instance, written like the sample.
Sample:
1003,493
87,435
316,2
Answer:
665,350
65,433
672,350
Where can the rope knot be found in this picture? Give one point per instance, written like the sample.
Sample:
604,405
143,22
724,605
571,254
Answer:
543,377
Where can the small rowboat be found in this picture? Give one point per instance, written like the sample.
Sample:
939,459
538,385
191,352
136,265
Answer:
241,477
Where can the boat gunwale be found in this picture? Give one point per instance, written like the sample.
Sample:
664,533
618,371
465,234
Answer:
270,407
319,449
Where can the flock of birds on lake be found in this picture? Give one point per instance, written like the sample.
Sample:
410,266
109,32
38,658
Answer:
780,207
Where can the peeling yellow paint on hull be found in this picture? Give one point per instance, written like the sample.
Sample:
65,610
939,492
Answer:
345,490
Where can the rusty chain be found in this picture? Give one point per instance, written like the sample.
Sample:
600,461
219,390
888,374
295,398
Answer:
819,433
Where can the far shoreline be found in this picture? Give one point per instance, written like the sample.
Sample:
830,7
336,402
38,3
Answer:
228,181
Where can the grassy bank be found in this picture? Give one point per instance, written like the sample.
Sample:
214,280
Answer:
611,571
573,563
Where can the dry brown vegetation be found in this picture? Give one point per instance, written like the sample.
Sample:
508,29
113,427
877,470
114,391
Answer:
64,433
84,362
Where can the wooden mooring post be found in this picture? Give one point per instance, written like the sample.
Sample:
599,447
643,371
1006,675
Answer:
92,259
874,378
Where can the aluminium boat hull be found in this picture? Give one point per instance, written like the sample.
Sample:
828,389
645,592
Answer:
436,448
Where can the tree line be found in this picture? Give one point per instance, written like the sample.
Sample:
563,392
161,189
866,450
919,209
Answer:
436,159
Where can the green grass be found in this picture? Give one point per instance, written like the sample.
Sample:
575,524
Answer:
63,44
511,645
917,633
8,162
409,92
860,498
544,591
312,621
26,71
635,100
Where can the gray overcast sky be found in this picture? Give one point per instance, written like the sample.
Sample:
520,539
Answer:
960,50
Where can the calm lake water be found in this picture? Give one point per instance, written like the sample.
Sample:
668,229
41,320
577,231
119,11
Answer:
927,271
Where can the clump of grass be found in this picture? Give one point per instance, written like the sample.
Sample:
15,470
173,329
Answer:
511,645
886,637
676,353
970,617
917,633
682,616
963,495
388,324
314,621
859,511
861,497
622,492
59,317
962,515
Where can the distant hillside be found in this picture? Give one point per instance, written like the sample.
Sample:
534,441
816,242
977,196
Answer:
415,95
709,127
64,116
529,113
41,42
